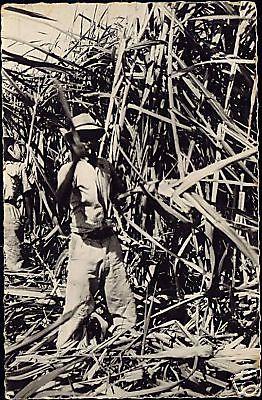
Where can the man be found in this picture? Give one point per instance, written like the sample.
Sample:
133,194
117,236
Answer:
87,185
15,188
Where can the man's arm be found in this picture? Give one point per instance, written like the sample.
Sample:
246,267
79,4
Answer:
65,182
27,198
117,186
28,202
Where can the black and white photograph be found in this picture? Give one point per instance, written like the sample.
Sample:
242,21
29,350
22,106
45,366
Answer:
130,203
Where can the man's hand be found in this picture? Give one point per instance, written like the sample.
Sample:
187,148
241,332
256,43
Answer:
79,151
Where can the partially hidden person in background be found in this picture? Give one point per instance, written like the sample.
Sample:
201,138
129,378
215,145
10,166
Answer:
17,191
88,185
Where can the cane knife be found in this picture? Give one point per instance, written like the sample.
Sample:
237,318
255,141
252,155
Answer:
67,112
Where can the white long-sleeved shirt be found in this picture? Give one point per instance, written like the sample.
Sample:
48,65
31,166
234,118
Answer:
15,181
89,200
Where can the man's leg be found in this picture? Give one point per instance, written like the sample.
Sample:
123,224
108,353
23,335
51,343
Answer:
82,284
120,299
12,245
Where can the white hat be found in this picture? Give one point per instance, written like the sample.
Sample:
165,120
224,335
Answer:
86,124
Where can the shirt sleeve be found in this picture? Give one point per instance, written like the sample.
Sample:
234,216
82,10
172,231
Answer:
62,173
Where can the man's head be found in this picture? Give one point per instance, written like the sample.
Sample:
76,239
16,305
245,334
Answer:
89,131
12,149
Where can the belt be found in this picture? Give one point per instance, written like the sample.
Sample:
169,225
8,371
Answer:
99,234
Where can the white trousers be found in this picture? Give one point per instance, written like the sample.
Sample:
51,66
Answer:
89,261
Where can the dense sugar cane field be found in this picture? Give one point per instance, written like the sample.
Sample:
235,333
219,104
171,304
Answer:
175,85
